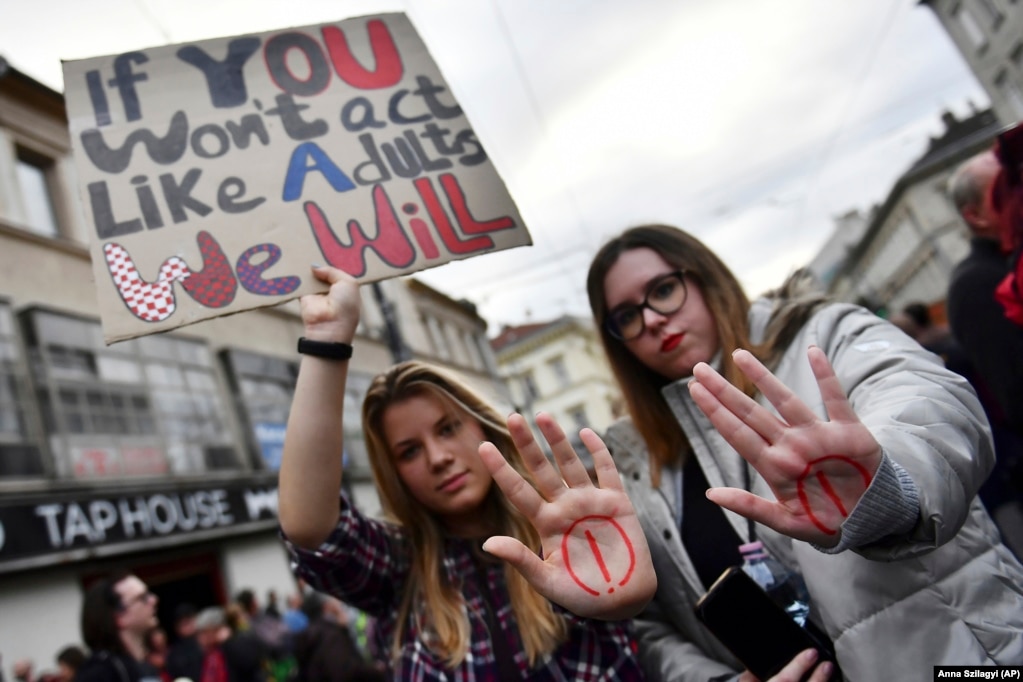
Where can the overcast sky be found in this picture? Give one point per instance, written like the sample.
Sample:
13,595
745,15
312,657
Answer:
749,123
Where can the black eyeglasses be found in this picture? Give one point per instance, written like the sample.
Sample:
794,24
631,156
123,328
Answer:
665,295
143,597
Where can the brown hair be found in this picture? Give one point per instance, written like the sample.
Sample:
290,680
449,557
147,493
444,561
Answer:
437,603
100,607
792,304
727,303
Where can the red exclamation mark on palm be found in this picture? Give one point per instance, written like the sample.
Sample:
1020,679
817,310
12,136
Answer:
612,534
595,548
838,464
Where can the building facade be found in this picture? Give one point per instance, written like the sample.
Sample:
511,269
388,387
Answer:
157,454
989,35
559,367
915,238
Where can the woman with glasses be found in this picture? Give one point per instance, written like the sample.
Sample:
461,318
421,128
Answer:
818,429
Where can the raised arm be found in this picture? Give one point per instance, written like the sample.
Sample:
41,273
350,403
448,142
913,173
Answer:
310,476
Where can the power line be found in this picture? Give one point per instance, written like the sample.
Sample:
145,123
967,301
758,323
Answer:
534,106
854,94
144,9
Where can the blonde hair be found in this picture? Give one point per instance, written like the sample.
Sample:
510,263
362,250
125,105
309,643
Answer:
437,604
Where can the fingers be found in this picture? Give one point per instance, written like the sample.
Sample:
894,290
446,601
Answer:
836,402
823,672
747,441
331,275
548,481
607,473
529,564
522,495
741,405
750,506
789,406
333,315
571,468
797,667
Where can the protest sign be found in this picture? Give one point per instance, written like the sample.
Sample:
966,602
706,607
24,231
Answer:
214,173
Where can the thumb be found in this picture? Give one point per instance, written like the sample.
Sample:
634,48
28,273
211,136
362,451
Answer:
331,275
519,556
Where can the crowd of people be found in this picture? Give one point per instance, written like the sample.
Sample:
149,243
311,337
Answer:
314,640
852,449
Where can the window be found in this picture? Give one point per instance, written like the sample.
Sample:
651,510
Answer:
1011,92
356,456
970,27
559,370
991,12
19,451
579,422
264,387
475,360
578,415
529,389
1017,55
428,328
144,407
440,340
34,172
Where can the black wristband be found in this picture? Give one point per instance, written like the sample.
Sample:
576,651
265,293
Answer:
330,350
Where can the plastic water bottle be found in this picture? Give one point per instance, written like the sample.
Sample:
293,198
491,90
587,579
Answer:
784,586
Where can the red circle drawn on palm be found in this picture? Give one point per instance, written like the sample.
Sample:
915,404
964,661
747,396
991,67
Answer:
825,484
600,523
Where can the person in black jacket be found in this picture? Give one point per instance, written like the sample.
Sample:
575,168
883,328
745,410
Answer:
993,343
184,658
326,650
117,612
247,657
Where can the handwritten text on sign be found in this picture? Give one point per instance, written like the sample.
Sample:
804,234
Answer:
215,173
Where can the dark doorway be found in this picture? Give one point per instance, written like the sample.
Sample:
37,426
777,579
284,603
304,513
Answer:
195,580
175,579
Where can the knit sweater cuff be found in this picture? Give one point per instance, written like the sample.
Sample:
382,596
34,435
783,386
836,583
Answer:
890,506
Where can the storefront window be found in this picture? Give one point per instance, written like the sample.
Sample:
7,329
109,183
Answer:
19,451
264,386
144,407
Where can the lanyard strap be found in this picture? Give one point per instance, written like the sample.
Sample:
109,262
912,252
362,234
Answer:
747,484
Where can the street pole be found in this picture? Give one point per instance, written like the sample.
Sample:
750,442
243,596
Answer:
399,351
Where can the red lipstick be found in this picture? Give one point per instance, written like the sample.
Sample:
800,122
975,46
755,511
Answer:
671,343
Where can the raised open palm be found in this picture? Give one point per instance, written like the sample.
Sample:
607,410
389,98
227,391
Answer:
595,562
817,469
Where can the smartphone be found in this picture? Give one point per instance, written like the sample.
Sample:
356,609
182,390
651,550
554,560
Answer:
753,627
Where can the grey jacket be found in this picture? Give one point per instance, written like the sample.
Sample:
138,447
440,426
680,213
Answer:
946,591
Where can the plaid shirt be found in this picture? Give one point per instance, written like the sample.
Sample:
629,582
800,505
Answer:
365,563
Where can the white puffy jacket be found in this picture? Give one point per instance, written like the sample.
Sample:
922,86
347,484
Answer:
946,592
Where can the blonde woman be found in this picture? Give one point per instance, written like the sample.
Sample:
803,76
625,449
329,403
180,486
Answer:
527,579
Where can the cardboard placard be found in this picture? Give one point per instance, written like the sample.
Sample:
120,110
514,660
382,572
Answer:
215,173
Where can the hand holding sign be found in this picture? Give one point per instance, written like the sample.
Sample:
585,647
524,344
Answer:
818,470
335,315
596,562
